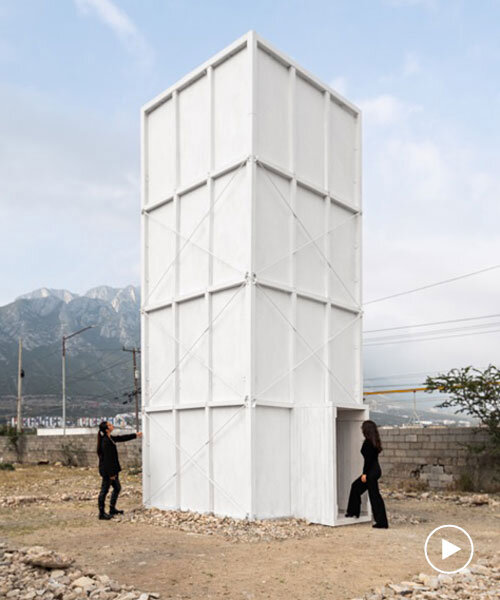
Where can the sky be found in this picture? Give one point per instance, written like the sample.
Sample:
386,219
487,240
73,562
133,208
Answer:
426,74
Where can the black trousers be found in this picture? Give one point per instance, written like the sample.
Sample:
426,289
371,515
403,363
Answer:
376,501
106,483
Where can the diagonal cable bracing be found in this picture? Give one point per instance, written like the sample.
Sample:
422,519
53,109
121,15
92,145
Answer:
174,231
208,367
312,241
207,328
209,211
299,221
301,362
191,458
332,375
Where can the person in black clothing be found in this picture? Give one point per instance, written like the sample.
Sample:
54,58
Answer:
109,467
370,450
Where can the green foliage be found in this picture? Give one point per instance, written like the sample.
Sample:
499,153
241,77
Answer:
473,392
6,467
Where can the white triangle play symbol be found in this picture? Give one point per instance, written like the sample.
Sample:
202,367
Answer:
448,549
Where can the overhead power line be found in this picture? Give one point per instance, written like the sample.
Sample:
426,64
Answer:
429,339
424,334
431,285
433,323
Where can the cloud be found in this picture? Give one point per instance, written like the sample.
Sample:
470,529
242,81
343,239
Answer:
430,213
70,192
121,25
385,109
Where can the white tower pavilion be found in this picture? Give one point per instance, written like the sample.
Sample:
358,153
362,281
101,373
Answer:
251,307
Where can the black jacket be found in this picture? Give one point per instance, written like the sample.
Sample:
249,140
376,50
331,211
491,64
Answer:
108,455
371,467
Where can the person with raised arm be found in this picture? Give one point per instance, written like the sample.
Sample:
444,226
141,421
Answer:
109,467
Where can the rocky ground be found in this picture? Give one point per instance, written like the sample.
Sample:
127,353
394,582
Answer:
479,582
176,554
39,574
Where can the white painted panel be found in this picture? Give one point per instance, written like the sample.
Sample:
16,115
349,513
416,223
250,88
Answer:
229,344
194,131
273,110
312,486
161,464
160,152
272,341
310,260
193,354
193,244
272,462
231,109
160,255
342,168
161,358
230,462
194,482
344,256
309,124
344,357
310,352
231,242
272,227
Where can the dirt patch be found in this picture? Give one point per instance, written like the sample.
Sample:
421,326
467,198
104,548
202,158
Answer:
333,563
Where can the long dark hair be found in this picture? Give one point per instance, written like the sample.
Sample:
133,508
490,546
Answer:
103,427
370,431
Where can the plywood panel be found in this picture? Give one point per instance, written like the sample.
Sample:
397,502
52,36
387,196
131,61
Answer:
194,482
272,227
160,152
194,229
344,245
231,240
162,461
310,352
344,357
194,131
272,461
193,353
230,459
231,109
160,255
161,358
273,110
309,124
229,345
342,167
310,262
272,341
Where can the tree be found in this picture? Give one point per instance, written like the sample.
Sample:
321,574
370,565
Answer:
474,392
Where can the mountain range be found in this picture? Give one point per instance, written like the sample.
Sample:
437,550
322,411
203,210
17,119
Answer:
97,370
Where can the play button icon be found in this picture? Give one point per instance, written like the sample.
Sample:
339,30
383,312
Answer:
445,549
448,549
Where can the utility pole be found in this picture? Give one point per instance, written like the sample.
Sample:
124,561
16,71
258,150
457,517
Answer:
135,351
64,338
20,375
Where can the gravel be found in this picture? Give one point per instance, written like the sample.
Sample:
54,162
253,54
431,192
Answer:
35,573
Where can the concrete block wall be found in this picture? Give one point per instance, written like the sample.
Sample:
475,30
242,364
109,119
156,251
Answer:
437,456
79,449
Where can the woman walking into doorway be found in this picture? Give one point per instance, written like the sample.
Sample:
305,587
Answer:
109,467
370,450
